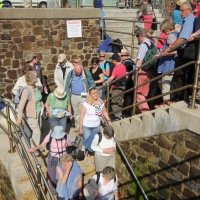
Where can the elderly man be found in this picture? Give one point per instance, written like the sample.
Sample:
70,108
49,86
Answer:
77,85
186,75
32,62
62,69
145,73
119,86
130,65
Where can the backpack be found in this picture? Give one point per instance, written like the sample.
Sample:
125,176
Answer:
117,48
98,177
18,95
48,146
130,61
151,52
77,150
111,65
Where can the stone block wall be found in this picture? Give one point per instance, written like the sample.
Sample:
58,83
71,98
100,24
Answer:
45,35
168,166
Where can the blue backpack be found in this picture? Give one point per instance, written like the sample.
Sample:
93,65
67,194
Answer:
18,95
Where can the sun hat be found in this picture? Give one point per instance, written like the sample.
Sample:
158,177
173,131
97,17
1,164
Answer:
124,52
60,92
61,57
180,2
58,132
30,57
115,56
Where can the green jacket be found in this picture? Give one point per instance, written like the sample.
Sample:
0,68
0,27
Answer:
87,79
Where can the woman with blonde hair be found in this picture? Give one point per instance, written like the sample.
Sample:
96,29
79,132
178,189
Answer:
31,105
91,111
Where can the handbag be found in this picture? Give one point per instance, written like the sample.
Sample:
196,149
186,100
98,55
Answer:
154,26
191,49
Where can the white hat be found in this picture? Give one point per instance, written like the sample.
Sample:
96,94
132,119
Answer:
124,52
60,92
58,132
61,57
180,2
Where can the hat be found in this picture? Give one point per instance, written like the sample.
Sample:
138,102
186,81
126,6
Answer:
77,60
115,56
60,92
30,57
180,2
61,57
142,32
58,132
124,52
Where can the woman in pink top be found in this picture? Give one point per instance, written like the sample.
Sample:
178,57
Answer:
58,142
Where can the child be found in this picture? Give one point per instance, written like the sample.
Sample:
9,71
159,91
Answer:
161,41
168,61
150,34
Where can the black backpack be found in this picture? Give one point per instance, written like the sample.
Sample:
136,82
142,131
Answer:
111,66
117,48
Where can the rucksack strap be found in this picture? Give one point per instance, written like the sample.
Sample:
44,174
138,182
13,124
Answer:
149,47
100,137
105,63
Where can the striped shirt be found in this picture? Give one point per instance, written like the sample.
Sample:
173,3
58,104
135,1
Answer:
143,49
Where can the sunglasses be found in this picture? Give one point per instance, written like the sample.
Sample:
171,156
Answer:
101,56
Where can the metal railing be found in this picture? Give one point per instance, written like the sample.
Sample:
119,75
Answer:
194,86
127,164
104,30
35,174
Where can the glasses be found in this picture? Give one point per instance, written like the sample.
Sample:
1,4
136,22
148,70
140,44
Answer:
101,56
35,57
183,10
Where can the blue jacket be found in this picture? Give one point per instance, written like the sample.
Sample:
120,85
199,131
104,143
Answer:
87,79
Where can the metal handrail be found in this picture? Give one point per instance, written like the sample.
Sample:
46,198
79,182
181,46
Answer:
123,32
132,173
136,86
36,176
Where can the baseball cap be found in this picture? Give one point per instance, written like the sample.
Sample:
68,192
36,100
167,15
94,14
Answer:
30,57
115,56
61,57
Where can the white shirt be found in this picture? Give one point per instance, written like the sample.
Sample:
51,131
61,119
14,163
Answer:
58,73
106,191
90,119
21,82
105,143
143,49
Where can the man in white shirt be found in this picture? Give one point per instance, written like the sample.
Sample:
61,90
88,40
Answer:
62,69
144,74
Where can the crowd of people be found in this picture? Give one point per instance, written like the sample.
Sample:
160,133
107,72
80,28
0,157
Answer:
81,95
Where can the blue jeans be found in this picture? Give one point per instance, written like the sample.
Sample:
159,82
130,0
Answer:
88,135
87,131
54,121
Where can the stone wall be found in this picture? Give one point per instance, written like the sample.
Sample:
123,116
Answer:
44,32
168,166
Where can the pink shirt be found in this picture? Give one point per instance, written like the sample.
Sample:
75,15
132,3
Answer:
161,42
56,145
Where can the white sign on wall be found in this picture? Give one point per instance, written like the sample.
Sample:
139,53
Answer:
74,28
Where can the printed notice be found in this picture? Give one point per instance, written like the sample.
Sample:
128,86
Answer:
74,28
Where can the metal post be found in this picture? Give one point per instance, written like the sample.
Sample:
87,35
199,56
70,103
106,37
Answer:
39,182
135,91
10,136
195,84
103,29
107,100
132,46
